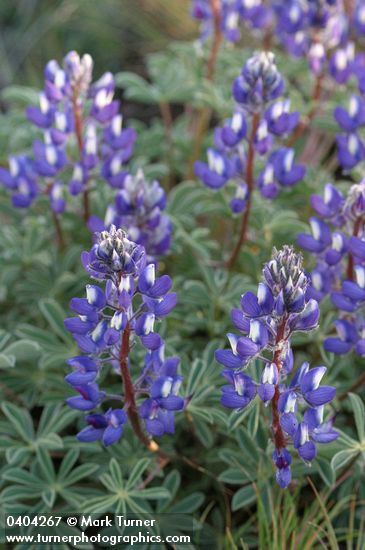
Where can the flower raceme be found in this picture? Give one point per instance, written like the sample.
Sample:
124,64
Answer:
138,208
73,112
111,319
266,323
260,117
338,244
317,30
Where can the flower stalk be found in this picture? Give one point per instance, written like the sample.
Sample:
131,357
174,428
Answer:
250,184
129,393
80,142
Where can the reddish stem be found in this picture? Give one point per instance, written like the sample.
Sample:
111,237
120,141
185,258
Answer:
349,8
129,394
250,184
279,437
350,264
59,232
78,131
267,39
303,125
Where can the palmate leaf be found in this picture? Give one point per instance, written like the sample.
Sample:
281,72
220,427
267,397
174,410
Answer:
137,472
20,441
124,494
20,419
44,481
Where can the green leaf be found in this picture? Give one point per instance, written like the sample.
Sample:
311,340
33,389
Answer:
55,317
188,504
49,497
99,505
326,471
84,470
116,474
20,476
67,463
247,444
340,459
50,441
234,476
244,497
24,95
236,418
6,361
151,493
23,350
137,472
20,419
359,413
45,464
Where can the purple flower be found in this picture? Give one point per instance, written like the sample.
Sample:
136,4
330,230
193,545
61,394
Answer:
352,118
108,427
359,18
239,392
72,113
267,321
259,82
90,397
282,460
330,206
350,150
340,64
109,319
280,121
217,172
21,180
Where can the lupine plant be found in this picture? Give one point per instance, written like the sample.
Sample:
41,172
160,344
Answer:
257,120
110,321
267,322
338,242
138,207
71,108
204,210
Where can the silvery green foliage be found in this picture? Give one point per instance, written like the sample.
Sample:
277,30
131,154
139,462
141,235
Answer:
222,471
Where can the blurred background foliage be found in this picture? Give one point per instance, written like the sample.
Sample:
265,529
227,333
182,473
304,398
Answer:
117,33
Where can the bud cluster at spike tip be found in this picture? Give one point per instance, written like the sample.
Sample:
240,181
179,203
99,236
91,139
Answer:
72,111
266,322
257,93
131,298
318,30
337,241
138,208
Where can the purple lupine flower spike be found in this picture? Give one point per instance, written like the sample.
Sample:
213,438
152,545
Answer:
338,243
129,305
267,322
72,111
138,208
259,118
